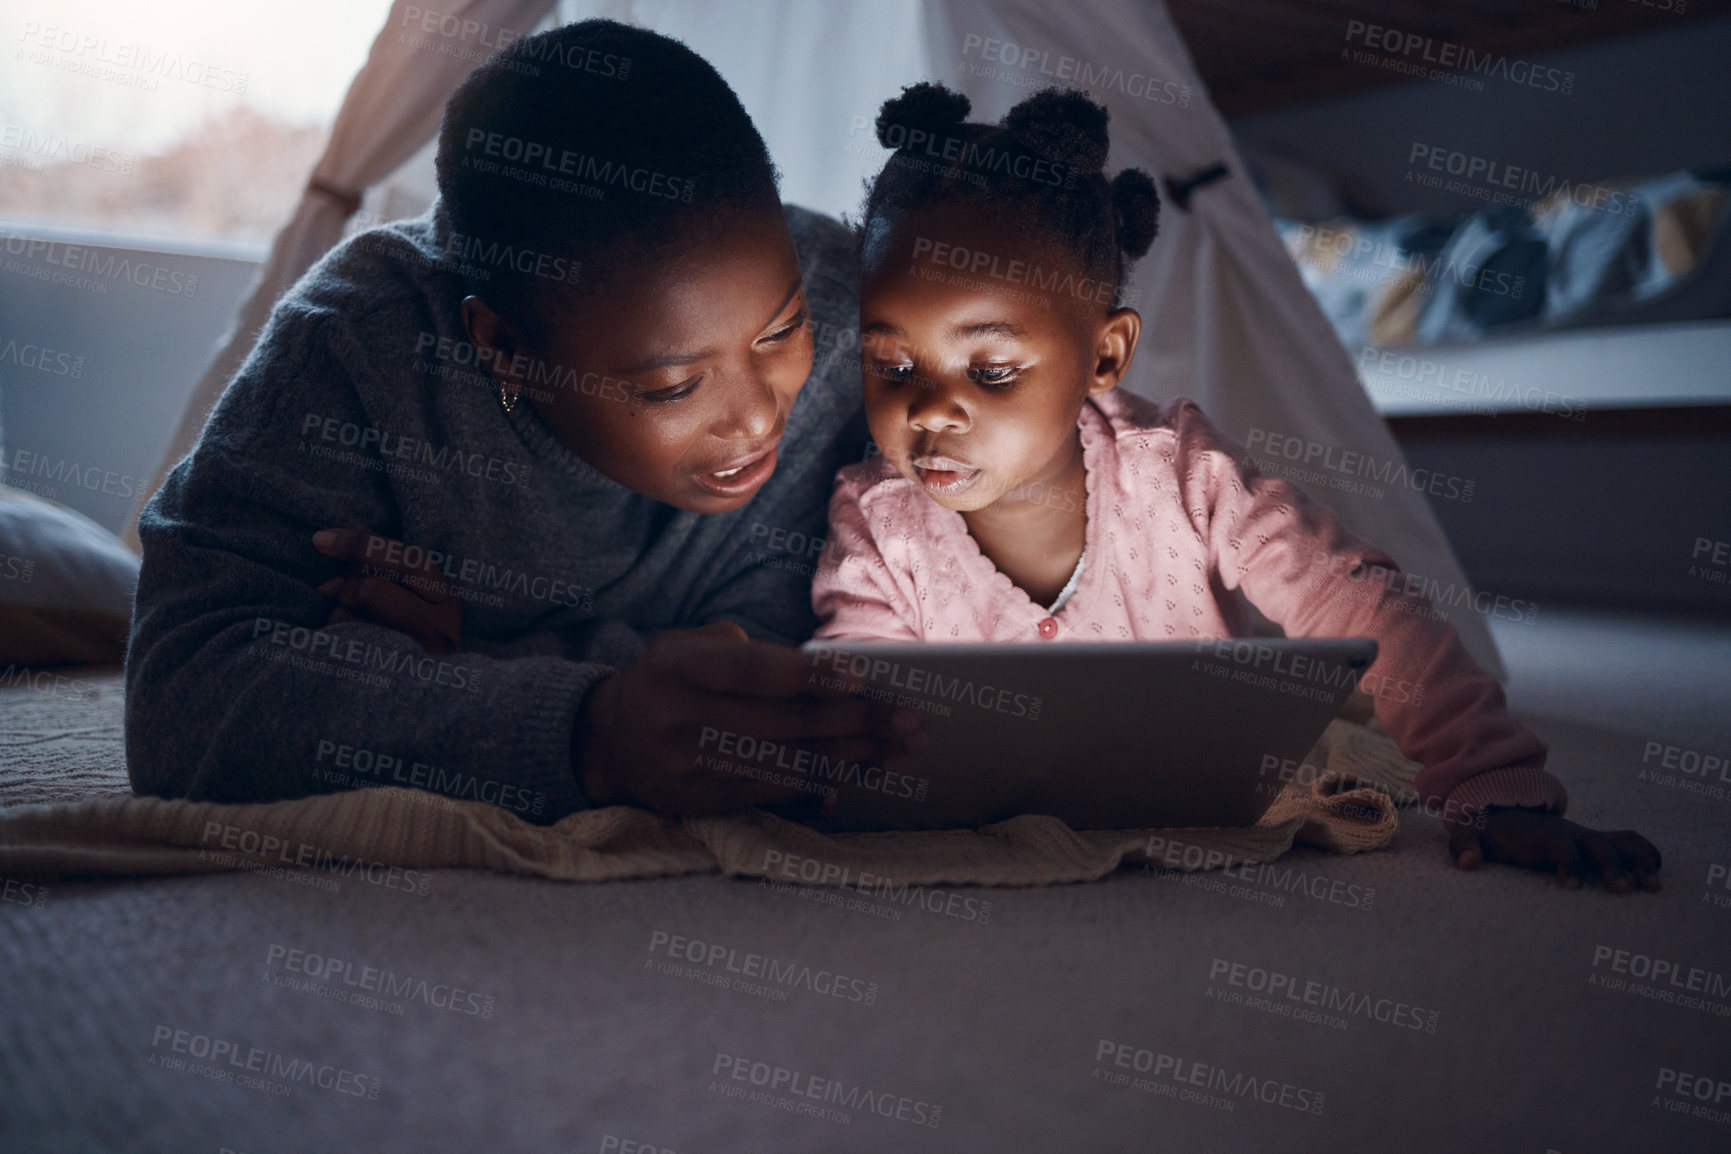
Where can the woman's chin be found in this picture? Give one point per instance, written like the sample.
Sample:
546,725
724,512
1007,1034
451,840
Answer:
711,504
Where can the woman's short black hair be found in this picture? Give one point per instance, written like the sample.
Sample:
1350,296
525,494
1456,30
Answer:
1039,170
579,147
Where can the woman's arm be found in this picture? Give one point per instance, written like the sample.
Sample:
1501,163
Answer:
427,605
237,691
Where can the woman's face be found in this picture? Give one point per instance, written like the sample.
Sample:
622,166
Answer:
973,375
676,378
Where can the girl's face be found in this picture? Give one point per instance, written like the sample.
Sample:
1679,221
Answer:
677,378
977,358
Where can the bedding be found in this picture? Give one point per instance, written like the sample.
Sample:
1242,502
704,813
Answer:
1658,248
598,1036
89,824
1565,373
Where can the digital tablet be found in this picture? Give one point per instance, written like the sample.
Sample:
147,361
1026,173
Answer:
1105,736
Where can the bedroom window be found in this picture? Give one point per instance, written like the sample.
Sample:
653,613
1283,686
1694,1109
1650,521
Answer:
183,119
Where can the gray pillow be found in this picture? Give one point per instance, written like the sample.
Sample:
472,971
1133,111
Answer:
66,585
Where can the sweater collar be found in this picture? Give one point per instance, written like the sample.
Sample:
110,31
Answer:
546,446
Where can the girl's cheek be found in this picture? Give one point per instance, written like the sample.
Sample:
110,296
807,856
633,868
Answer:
884,419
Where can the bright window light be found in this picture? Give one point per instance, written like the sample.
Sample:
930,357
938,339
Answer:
194,118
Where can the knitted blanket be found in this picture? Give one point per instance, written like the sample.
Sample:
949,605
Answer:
63,742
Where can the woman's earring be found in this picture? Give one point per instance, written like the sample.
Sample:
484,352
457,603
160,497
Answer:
509,394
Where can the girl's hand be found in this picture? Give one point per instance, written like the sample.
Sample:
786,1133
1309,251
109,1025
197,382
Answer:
382,590
1621,860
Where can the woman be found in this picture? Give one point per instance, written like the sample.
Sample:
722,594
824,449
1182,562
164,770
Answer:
583,387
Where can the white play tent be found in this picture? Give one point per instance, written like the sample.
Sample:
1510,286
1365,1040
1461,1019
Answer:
1229,322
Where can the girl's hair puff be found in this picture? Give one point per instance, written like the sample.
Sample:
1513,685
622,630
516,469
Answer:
1041,168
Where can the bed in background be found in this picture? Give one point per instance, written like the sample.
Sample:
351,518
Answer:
1567,358
1599,295
1566,372
1648,251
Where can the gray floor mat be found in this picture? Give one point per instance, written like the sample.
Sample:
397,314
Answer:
1429,1009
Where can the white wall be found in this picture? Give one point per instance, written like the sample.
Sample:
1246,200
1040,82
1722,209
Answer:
822,141
91,439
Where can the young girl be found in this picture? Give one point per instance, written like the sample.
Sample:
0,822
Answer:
1019,497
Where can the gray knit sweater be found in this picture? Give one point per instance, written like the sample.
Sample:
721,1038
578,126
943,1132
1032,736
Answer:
361,407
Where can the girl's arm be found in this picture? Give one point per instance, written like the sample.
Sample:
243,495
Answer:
853,591
1299,566
1306,572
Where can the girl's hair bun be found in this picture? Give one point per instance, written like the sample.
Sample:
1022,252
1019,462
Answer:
1136,209
1063,125
922,107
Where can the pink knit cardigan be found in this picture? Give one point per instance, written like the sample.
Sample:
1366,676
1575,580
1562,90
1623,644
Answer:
1177,517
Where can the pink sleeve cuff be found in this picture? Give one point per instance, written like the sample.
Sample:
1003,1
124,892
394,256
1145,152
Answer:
1515,785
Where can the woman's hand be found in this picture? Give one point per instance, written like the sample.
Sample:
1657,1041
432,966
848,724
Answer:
1621,860
381,589
652,734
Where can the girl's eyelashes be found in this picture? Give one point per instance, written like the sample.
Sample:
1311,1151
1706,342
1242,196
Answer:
896,374
994,376
987,376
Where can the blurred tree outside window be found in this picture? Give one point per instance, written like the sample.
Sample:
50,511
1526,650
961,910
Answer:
183,119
